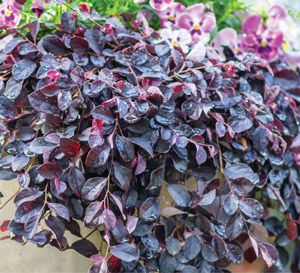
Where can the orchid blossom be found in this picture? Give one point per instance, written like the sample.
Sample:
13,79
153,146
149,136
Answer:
171,13
38,7
264,39
160,5
9,15
258,38
180,38
198,22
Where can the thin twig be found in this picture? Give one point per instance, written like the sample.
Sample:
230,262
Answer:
9,199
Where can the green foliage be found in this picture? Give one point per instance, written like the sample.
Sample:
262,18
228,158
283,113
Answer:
116,7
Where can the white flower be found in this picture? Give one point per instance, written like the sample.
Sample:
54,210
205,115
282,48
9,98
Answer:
177,38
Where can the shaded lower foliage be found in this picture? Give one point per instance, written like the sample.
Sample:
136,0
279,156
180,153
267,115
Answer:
174,163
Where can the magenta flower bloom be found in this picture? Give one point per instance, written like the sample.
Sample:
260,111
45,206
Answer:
197,22
160,5
258,38
171,13
38,7
9,15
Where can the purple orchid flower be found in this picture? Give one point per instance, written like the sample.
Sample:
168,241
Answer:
160,5
226,37
276,13
9,15
197,22
258,38
38,7
177,38
171,13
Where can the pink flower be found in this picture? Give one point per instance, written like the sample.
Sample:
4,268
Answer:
38,7
276,13
227,37
197,52
160,4
197,22
171,13
53,76
139,1
258,38
177,38
9,15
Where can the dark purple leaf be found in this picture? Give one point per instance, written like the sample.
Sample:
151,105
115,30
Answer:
103,114
208,253
13,89
231,204
235,253
201,155
76,180
43,104
39,146
68,20
54,45
64,100
191,248
269,253
93,187
95,39
125,252
85,248
149,210
19,162
57,226
251,208
208,198
8,108
125,148
34,28
156,179
173,246
241,170
98,156
234,226
180,195
60,209
79,45
240,124
23,69
7,175
143,143
12,44
109,219
123,175
49,170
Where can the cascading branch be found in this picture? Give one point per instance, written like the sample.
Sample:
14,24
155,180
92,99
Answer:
174,163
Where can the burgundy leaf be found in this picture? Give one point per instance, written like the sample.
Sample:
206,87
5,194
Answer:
69,147
49,170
